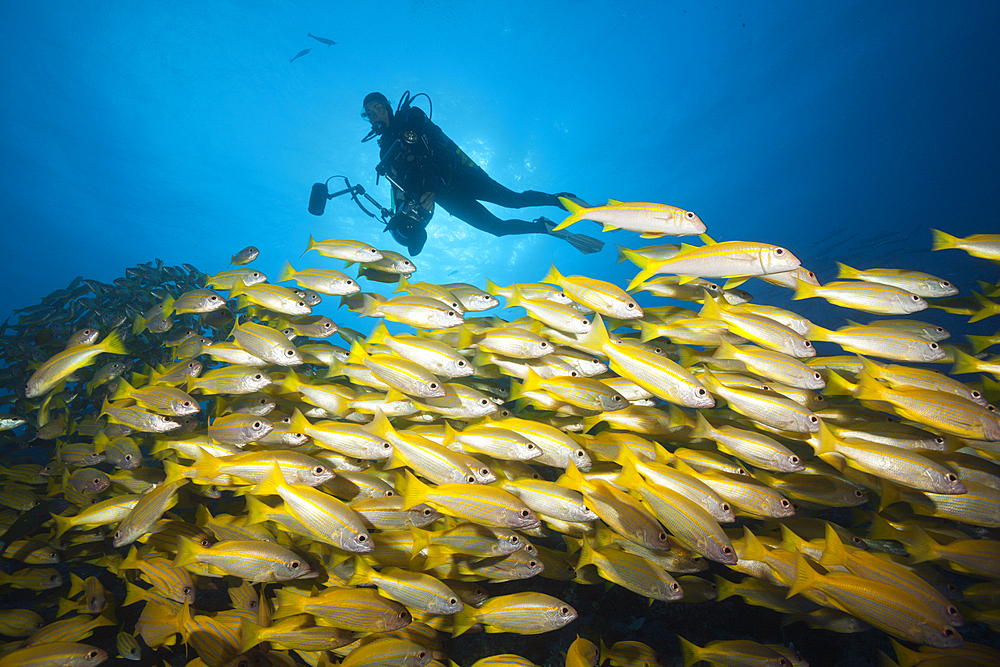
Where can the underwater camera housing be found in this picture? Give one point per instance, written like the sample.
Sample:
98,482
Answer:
317,199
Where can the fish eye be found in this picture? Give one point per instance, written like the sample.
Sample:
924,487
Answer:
514,539
531,446
727,550
662,537
386,445
470,479
451,313
793,459
948,632
689,215
118,534
525,513
97,480
813,419
742,471
784,503
256,425
702,391
674,586
54,577
403,614
484,402
253,604
318,470
976,394
432,385
186,590
915,297
952,609
563,610
808,343
289,353
859,494
362,537
630,305
390,493
128,457
726,507
579,453
934,346
427,511
779,251
92,654
294,565
951,477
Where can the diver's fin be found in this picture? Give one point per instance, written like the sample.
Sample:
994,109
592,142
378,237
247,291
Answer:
581,242
585,244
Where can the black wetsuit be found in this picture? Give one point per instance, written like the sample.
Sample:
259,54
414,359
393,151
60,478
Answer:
426,160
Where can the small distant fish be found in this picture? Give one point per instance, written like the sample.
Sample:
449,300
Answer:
300,54
250,253
328,42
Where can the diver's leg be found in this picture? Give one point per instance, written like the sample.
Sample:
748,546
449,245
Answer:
475,214
477,184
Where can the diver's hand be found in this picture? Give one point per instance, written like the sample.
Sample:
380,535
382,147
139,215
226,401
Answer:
427,202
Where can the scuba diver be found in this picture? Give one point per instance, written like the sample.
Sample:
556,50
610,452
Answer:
426,168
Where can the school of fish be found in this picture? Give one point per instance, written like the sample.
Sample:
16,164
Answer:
357,502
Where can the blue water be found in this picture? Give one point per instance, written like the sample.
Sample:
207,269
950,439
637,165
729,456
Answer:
134,130
138,130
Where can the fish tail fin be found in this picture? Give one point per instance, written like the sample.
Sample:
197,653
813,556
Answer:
123,390
790,541
463,621
597,338
964,363
515,298
75,585
257,510
648,267
804,290
979,343
312,244
922,546
943,240
648,331
362,572
415,491
837,384
815,332
249,634
805,577
846,273
63,523
357,354
576,213
834,553
112,343
868,388
989,308
299,422
586,554
723,588
287,272
703,429
553,276
378,334
268,486
752,547
492,288
187,551
691,652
